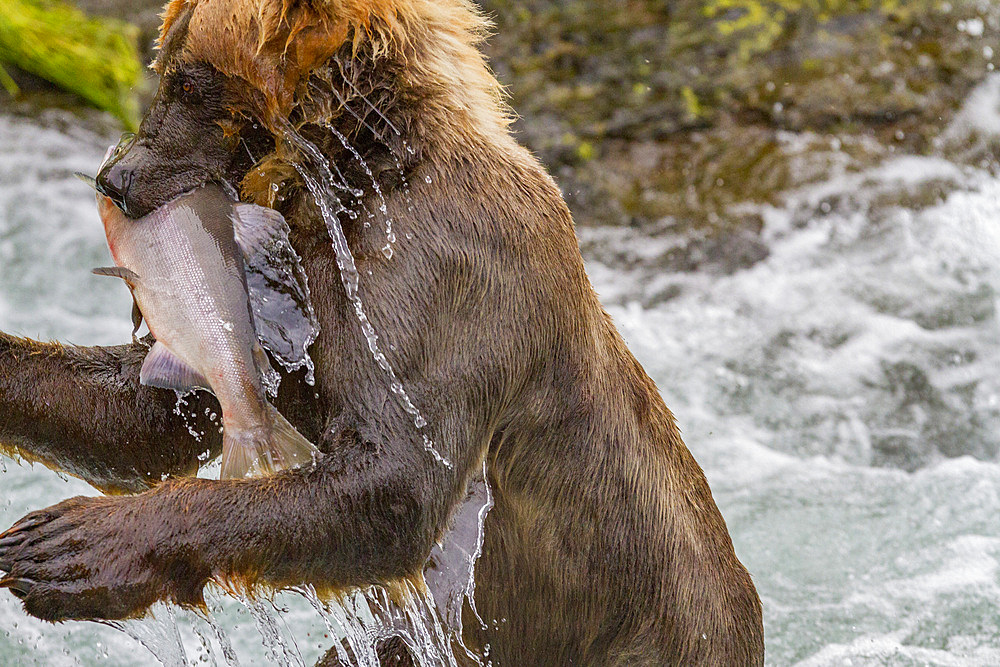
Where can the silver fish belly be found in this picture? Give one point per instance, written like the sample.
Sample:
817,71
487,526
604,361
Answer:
186,273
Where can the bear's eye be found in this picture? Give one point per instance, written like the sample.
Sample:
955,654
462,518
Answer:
186,88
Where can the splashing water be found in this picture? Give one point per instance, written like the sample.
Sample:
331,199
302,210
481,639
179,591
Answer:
479,491
158,632
364,619
205,653
228,652
362,653
383,206
451,570
314,154
270,380
180,409
281,651
322,196
416,622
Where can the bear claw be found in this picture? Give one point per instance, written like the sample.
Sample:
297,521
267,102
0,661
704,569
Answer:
19,587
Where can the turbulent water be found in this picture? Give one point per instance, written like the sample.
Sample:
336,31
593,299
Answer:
842,395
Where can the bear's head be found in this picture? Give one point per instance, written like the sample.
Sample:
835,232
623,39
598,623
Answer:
236,76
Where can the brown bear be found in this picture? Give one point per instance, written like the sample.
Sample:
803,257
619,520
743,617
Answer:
604,546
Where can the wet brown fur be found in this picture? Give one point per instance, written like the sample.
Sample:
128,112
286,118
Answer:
605,546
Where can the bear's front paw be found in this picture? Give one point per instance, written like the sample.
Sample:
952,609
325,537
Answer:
95,558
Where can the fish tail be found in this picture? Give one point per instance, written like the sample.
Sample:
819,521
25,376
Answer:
261,452
241,451
287,447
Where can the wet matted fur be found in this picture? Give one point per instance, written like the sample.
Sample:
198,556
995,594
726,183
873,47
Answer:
604,547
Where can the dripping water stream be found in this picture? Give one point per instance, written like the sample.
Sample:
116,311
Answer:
330,206
383,206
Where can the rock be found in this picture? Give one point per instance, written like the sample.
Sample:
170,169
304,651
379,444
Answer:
699,110
90,56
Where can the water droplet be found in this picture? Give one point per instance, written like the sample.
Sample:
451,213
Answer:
387,251
427,179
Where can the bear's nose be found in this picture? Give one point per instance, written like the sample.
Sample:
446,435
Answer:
114,181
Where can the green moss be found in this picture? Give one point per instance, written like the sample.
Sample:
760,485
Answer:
691,102
93,58
8,82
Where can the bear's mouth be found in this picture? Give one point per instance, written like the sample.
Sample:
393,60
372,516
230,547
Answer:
140,175
138,189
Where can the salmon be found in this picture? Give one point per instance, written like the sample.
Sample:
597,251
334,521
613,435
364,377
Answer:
185,267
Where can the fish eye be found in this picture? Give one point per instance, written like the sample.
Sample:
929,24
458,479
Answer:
126,140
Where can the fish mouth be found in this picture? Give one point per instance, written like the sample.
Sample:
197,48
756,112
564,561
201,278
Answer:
114,178
115,186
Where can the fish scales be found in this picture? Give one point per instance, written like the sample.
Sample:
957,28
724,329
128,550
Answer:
186,272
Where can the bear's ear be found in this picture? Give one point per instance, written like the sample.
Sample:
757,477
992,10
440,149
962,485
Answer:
271,44
311,37
299,39
176,15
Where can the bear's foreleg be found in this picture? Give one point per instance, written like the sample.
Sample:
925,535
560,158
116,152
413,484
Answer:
82,410
359,516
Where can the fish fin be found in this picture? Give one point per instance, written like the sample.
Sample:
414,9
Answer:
136,317
163,369
288,448
131,278
279,291
263,452
255,227
260,356
89,180
240,450
128,275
